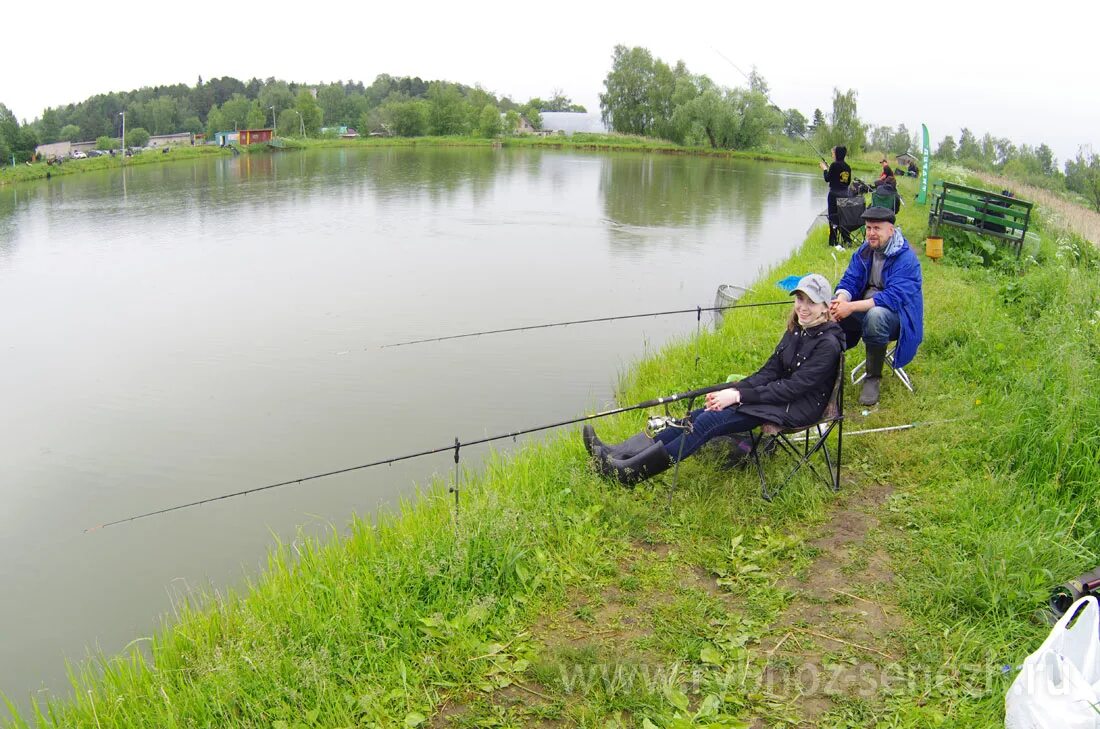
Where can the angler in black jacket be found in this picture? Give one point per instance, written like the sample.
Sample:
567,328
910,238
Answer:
791,389
839,176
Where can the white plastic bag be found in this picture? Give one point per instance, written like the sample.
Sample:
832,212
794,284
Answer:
1059,684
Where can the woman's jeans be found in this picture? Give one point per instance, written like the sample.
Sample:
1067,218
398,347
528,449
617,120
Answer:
705,425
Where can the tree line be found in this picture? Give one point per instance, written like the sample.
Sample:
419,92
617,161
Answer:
645,95
406,106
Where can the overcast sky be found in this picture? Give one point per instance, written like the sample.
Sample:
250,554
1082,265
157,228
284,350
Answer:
1026,73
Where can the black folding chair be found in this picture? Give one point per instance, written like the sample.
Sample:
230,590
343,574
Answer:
814,441
849,212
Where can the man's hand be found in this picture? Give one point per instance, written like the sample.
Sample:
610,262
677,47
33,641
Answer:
722,399
822,165
840,309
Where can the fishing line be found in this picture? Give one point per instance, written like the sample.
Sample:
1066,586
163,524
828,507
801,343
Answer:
777,106
442,449
698,311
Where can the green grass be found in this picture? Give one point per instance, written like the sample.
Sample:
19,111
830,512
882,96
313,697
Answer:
418,613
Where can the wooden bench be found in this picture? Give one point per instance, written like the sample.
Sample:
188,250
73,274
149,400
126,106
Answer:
980,211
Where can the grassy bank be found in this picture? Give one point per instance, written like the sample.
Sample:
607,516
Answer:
555,599
586,142
40,170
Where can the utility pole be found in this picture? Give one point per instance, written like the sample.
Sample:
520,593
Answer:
123,139
273,128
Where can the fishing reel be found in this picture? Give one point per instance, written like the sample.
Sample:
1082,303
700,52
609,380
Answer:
1063,596
656,423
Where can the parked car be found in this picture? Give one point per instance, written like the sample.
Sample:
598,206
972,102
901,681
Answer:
79,155
98,153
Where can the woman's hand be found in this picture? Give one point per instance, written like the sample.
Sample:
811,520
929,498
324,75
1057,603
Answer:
822,165
722,399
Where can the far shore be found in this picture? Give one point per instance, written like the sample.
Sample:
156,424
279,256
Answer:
578,141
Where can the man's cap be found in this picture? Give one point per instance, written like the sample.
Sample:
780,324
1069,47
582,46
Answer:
816,287
877,212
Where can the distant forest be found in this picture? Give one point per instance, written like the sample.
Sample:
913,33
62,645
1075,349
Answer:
407,106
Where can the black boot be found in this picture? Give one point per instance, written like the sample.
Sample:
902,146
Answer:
633,445
876,355
650,462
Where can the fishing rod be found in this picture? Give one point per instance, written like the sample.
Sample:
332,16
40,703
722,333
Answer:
698,310
749,79
443,449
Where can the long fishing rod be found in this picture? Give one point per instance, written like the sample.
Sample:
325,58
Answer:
696,310
749,79
443,449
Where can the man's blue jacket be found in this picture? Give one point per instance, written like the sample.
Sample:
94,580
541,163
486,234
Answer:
901,292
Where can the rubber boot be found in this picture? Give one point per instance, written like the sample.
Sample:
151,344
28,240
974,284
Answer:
876,355
650,462
631,446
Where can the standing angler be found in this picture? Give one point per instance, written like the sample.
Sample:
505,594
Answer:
879,299
839,176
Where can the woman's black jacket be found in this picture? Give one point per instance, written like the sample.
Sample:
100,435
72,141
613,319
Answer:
794,385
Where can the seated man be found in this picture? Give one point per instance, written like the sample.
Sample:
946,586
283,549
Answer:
879,299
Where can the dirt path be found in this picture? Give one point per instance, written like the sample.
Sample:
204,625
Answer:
833,642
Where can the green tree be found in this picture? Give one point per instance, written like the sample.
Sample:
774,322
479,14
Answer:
289,124
794,123
489,122
235,113
216,121
708,119
968,146
405,117
1083,176
946,151
756,118
900,141
257,117
1045,157
333,100
819,120
626,105
511,121
844,127
106,143
312,115
191,124
532,114
448,112
164,114
137,137
70,133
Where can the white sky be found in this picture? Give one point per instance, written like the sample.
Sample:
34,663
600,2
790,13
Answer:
1026,72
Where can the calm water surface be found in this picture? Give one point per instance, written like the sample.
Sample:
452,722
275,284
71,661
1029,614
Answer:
178,331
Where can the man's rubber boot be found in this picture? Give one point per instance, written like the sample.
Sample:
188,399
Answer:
650,462
876,355
633,445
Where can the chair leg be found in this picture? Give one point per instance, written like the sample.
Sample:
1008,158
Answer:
757,438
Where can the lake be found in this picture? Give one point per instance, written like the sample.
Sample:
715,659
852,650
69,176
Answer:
176,331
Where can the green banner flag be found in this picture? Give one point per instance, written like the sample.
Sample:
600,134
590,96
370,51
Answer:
922,196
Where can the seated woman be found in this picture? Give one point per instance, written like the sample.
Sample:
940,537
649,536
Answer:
792,389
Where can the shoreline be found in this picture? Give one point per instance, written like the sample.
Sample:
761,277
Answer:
579,141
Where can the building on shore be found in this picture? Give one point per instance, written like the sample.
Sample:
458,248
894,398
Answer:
255,136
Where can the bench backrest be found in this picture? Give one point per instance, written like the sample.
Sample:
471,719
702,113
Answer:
990,211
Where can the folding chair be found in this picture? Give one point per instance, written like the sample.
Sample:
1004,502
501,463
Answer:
899,371
849,211
814,441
